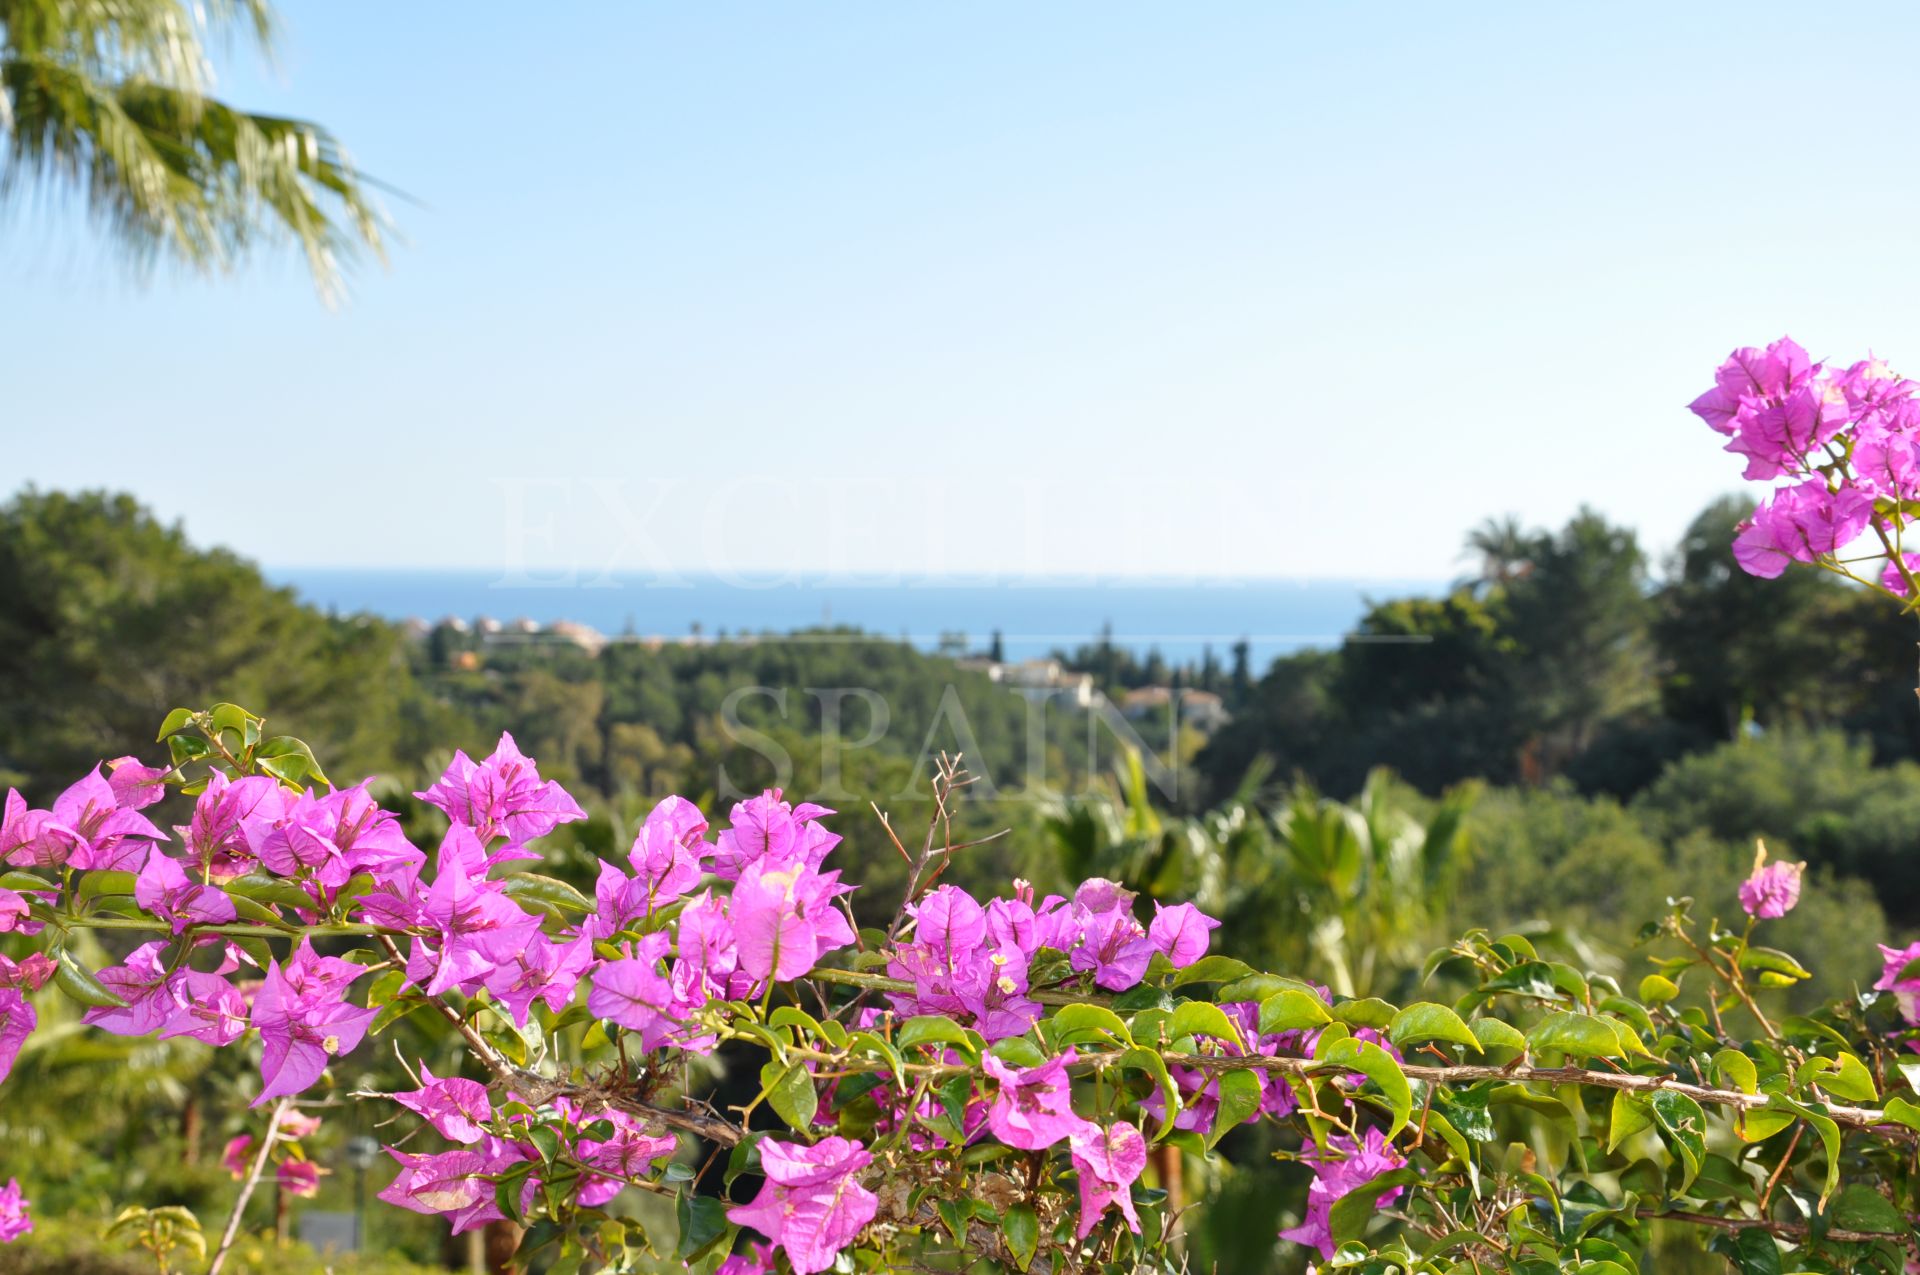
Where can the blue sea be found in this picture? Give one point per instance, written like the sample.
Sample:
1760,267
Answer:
1033,617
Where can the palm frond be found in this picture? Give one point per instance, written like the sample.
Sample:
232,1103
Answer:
107,98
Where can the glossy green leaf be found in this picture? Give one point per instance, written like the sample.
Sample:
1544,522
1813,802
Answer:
791,1094
1202,1018
1291,1010
1071,1023
1426,1021
929,1029
79,984
1212,969
1239,1100
1379,1066
1577,1036
1630,1115
1020,1227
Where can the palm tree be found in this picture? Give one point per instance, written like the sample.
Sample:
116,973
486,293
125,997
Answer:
109,100
1352,894
1506,550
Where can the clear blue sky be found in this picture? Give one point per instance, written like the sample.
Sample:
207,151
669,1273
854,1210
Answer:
1283,290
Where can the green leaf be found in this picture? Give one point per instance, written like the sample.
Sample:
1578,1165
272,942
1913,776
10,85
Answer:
173,723
1258,987
1732,1066
1202,1018
791,1094
955,1213
1752,1251
1072,1023
1212,969
25,881
1379,1066
804,1024
78,982
1861,1208
1021,1229
1427,1021
1018,1051
269,889
1239,1099
1829,1137
94,884
929,1029
1849,1079
1370,1011
1772,961
1657,989
529,887
1630,1116
873,1042
1577,1036
703,1221
1902,1112
1685,1126
546,1141
1494,1034
1291,1010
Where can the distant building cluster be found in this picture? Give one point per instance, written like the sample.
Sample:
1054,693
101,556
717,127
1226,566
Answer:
486,631
1050,679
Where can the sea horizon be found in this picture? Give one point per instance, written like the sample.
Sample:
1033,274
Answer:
1181,617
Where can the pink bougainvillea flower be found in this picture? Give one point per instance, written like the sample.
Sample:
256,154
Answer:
299,1177
1107,1161
163,888
140,981
1343,1167
17,1021
35,838
452,1183
1906,990
110,837
298,842
1033,1108
629,1153
783,918
1772,889
136,786
13,911
216,836
206,1007
812,1204
766,827
472,914
303,1018
1891,577
502,796
297,1124
637,994
526,970
237,1157
756,1260
14,1221
1181,933
1115,947
457,1109
30,972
